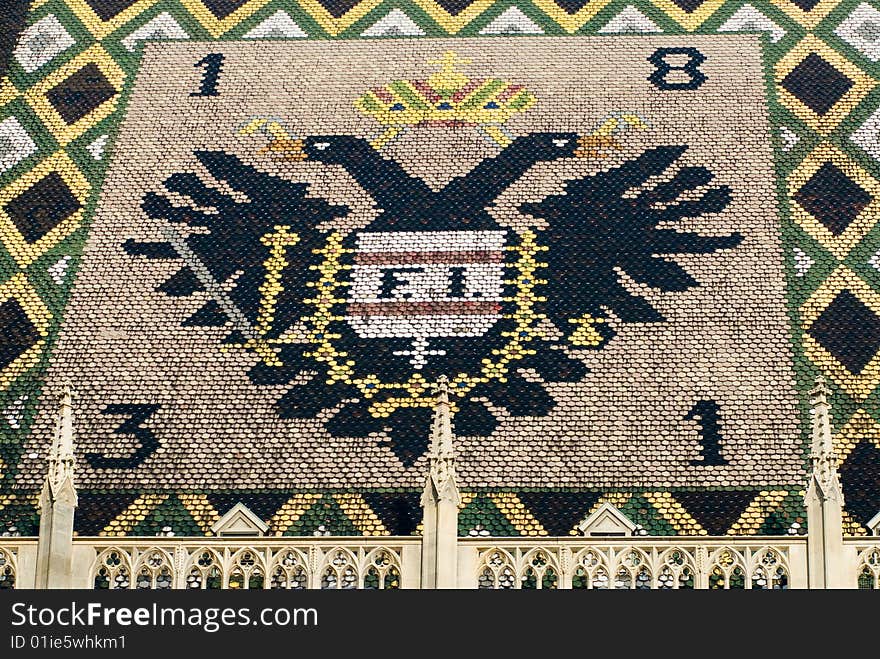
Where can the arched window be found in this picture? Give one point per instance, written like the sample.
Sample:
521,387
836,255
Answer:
539,571
340,570
7,570
153,571
726,570
591,571
633,570
769,571
289,570
112,570
676,570
247,570
496,570
383,570
204,570
869,569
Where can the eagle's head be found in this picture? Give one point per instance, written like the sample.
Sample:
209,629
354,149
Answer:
540,147
546,146
336,149
328,149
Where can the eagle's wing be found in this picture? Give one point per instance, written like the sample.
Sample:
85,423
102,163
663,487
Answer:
617,220
218,235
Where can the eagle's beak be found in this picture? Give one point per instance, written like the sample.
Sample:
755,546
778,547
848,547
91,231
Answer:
286,149
595,146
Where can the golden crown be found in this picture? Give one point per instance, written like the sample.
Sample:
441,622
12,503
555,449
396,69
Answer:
446,97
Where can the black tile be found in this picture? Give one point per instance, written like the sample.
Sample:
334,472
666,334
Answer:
860,480
716,511
42,207
400,512
849,330
17,332
263,504
222,8
338,8
805,5
107,9
22,514
85,90
95,511
455,7
689,5
832,198
571,6
559,512
816,83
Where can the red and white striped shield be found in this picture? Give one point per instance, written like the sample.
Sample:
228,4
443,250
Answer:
426,284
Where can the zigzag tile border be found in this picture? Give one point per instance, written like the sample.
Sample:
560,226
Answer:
496,513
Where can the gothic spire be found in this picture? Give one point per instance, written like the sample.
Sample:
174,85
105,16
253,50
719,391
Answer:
61,458
823,457
441,483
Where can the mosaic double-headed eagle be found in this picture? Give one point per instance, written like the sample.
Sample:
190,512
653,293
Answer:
434,285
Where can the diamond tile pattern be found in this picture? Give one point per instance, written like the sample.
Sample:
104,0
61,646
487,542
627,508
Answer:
849,330
860,479
78,95
559,512
400,512
94,512
861,30
40,208
715,511
832,198
41,42
17,330
816,83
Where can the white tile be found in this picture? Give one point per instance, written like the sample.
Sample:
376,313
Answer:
394,24
861,30
58,271
748,19
867,136
96,147
512,21
42,42
278,26
789,138
630,20
15,143
162,26
14,413
802,262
